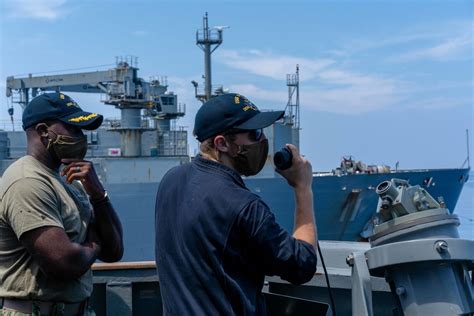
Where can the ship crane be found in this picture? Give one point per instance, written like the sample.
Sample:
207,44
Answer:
122,88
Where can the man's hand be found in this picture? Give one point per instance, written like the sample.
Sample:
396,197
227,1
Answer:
105,236
83,171
299,175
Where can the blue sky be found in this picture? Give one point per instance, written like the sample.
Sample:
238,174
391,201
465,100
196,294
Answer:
385,81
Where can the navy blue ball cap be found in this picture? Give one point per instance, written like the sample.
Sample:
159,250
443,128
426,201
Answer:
230,111
58,106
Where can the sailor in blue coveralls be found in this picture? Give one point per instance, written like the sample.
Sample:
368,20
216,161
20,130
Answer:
215,239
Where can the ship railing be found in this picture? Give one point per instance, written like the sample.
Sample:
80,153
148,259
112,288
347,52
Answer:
12,152
179,148
161,80
129,60
216,89
8,125
340,172
322,173
145,122
181,108
126,288
213,35
109,123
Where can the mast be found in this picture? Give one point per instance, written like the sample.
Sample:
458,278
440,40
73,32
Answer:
293,106
206,39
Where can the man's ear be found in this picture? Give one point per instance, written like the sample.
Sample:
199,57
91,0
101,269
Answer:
220,143
42,129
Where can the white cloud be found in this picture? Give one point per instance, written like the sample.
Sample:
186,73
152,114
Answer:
36,9
353,99
354,94
363,44
183,88
438,103
337,90
447,49
350,100
328,84
278,98
450,40
269,65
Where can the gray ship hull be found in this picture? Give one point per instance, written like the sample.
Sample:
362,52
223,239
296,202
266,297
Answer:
343,204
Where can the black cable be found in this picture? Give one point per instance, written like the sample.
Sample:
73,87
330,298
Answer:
333,306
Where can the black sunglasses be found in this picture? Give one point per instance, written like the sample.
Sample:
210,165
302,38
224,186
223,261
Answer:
255,135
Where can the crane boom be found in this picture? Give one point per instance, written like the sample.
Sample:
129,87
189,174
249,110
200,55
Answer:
122,88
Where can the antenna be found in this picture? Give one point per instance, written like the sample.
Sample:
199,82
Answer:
220,28
467,160
468,151
206,39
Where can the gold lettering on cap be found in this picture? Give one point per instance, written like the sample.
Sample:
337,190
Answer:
83,118
236,99
72,104
249,107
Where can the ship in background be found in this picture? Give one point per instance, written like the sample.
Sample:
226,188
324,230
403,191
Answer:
131,154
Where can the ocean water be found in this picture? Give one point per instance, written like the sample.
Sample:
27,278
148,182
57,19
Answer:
465,209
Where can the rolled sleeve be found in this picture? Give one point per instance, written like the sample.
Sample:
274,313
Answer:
275,250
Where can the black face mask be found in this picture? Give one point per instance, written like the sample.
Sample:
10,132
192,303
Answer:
67,147
251,158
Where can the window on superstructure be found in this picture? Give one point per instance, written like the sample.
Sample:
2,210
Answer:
167,100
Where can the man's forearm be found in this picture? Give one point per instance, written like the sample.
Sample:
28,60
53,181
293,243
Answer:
305,228
109,230
77,263
56,255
